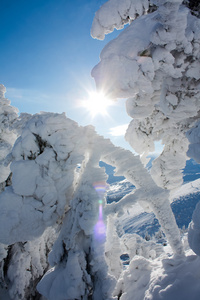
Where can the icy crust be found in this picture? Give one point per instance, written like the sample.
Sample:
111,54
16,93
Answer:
115,14
155,64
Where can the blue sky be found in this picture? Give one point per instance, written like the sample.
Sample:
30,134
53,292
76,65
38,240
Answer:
47,55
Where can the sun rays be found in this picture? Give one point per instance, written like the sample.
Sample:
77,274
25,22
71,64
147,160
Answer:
97,104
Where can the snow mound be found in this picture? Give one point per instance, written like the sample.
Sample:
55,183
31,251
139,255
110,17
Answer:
162,278
173,279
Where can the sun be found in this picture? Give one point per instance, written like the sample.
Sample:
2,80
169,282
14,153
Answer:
97,104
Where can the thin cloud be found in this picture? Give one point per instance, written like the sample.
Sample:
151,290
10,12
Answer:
26,95
35,101
118,130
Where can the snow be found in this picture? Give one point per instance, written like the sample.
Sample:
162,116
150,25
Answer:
67,280
153,272
175,279
4,294
194,138
24,177
8,115
36,207
115,14
161,86
41,186
60,236
194,231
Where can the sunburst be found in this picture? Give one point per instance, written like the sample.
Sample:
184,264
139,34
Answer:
97,104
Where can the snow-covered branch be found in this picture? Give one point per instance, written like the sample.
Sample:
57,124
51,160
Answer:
114,14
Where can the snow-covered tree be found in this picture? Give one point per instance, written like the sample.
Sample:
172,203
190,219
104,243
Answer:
56,195
40,189
8,134
10,127
154,62
78,256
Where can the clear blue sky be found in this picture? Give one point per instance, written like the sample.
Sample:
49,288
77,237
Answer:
46,58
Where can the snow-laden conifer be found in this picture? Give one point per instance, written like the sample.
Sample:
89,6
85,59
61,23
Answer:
154,62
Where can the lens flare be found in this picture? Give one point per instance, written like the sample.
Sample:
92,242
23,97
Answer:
100,228
100,187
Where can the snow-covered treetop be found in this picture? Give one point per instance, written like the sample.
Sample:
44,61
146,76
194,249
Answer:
8,135
154,63
8,113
